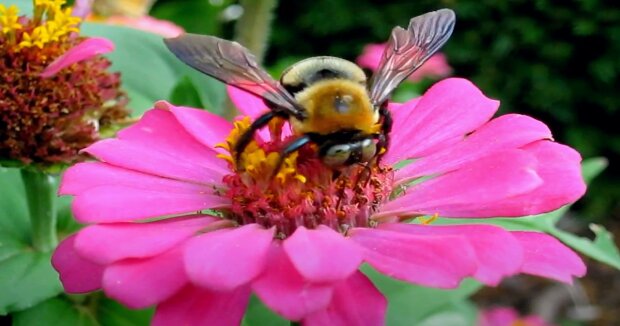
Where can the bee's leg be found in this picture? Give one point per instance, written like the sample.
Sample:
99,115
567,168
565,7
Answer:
366,172
248,135
290,148
386,127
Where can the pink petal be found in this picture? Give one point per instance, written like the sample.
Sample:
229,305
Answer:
322,255
247,103
286,291
207,128
135,156
107,243
400,115
356,301
560,169
149,24
535,321
506,132
371,56
85,176
438,261
77,274
499,317
87,49
436,67
467,192
82,8
160,129
226,259
498,253
139,283
450,109
547,257
199,307
107,204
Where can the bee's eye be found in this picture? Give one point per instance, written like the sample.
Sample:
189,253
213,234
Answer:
337,155
369,149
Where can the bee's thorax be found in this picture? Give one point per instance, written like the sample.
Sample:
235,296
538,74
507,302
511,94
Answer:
333,105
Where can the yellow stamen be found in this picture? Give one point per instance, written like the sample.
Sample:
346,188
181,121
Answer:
255,162
8,19
58,25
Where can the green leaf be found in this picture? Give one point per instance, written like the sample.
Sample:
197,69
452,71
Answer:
407,91
410,304
185,94
593,167
602,248
26,279
82,310
112,313
149,72
459,313
14,222
55,311
26,276
258,314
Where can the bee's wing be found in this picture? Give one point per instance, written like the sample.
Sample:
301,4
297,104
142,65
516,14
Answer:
408,49
232,64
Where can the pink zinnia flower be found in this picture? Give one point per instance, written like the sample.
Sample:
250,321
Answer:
146,23
504,316
436,67
175,222
56,92
131,14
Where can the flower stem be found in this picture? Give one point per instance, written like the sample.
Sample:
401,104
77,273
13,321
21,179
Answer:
41,198
253,27
252,31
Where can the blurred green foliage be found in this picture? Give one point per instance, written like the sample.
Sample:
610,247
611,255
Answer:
555,60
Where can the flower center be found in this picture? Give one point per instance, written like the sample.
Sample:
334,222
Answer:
304,192
47,121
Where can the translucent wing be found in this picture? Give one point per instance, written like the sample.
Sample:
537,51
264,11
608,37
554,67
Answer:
232,64
408,49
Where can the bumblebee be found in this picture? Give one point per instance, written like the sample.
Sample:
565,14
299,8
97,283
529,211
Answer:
327,100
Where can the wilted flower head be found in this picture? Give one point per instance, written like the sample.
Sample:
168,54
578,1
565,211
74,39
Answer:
435,67
166,200
56,95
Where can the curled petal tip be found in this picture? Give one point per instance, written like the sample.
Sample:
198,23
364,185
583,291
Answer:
87,49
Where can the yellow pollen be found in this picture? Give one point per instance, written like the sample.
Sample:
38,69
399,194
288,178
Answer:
59,23
428,220
255,161
239,127
8,19
49,4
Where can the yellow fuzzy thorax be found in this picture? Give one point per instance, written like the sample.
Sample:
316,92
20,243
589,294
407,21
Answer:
324,118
